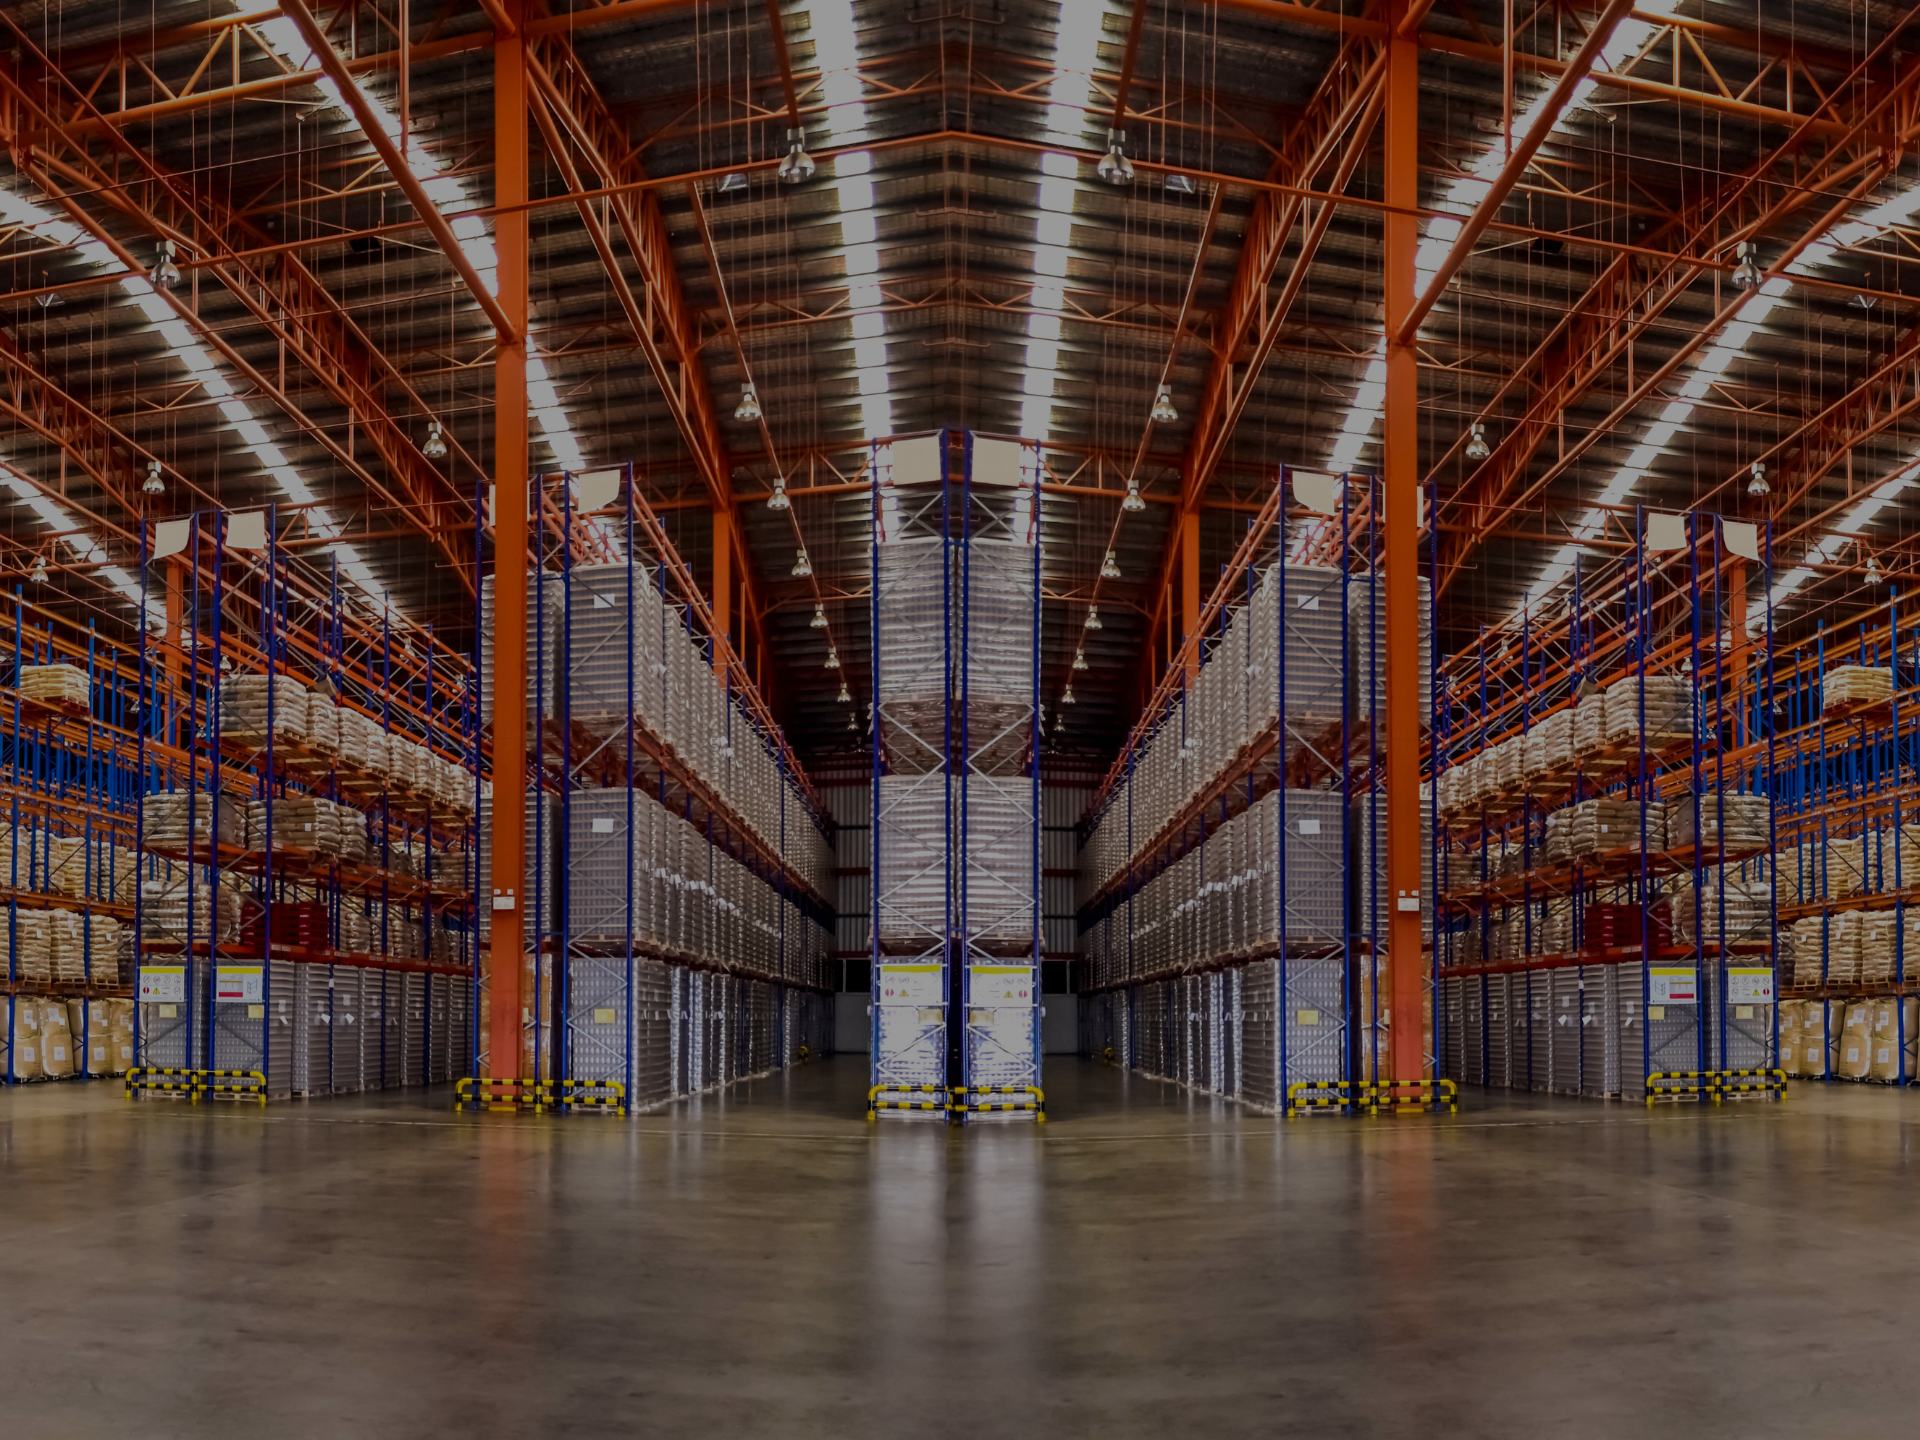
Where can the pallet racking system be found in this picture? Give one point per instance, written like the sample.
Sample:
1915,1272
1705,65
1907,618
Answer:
305,825
1605,831
956,933
68,778
1847,849
1233,914
679,860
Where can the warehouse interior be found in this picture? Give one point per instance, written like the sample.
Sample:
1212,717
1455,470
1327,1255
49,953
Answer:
1193,706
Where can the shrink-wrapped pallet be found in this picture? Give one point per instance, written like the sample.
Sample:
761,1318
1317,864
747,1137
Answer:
323,725
66,946
1732,820
1589,723
26,935
1549,746
363,745
1663,710
1606,824
1845,685
167,816
169,905
1846,931
64,686
245,703
1729,905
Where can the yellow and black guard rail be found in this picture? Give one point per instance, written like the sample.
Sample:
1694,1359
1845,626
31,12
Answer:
193,1082
1757,1081
904,1097
1034,1100
1695,1085
1307,1095
164,1080
1408,1097
235,1084
608,1095
503,1093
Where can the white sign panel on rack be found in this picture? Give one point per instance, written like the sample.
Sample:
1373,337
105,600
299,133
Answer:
1673,985
161,984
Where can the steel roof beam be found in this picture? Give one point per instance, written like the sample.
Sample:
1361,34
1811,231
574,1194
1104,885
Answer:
1525,147
1627,299
396,163
575,121
285,299
1341,113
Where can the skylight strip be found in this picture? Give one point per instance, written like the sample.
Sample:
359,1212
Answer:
206,370
552,422
837,52
1358,428
1076,47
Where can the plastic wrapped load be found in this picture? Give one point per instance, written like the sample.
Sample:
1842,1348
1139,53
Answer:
1729,819
1890,858
1605,824
1730,905
1663,710
1833,868
169,906
66,946
1846,685
363,745
166,817
1549,746
250,703
406,762
64,686
1589,723
323,725
1881,931
309,823
1506,760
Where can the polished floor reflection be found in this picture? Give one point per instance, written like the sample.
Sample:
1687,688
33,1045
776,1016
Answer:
766,1264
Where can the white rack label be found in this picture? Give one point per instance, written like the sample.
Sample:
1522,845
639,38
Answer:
1672,985
240,984
160,983
1750,985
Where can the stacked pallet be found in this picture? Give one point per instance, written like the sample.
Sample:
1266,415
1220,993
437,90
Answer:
1729,820
252,707
1605,824
64,686
1656,707
1847,685
171,906
1729,905
169,818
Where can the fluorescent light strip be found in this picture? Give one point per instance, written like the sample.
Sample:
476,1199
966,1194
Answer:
551,420
206,371
1075,48
1361,422
837,52
57,519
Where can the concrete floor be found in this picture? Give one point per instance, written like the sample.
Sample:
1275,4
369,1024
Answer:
767,1265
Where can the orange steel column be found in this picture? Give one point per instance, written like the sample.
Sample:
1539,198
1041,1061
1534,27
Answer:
1406,992
510,557
1190,585
722,579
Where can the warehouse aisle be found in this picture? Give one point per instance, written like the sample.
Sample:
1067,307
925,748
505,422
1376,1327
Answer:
765,1264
